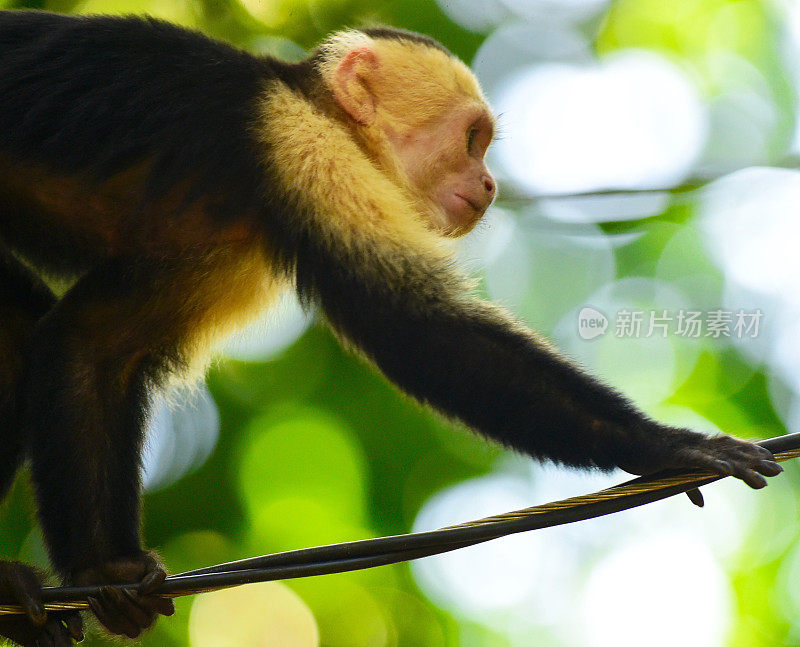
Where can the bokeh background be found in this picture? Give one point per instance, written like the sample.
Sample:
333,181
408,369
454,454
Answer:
647,158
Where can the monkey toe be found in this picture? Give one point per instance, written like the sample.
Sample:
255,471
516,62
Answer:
20,584
156,604
128,604
123,608
147,608
22,632
73,623
62,630
109,618
154,577
113,616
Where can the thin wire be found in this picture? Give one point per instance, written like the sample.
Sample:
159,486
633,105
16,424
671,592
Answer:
690,185
369,553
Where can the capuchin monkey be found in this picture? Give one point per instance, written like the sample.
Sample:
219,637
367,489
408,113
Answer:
182,185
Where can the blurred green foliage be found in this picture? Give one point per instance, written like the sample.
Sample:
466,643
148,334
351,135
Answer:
316,447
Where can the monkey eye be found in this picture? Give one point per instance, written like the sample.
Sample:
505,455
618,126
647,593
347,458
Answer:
471,133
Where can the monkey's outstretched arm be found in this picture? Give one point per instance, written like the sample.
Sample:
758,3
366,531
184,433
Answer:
364,252
471,360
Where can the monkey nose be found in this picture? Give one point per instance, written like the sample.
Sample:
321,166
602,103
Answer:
489,186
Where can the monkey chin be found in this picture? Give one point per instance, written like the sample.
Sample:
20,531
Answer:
459,216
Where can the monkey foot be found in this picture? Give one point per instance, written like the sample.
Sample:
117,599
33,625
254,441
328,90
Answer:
122,611
19,584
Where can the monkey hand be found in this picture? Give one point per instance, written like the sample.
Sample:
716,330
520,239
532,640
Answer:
724,455
122,611
19,584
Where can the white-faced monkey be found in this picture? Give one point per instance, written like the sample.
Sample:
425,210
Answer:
183,184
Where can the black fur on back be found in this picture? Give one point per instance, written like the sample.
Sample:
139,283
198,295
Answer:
101,93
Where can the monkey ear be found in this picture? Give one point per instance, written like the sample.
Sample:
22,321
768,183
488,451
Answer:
350,86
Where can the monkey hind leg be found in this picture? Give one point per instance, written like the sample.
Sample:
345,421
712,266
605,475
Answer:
121,332
24,299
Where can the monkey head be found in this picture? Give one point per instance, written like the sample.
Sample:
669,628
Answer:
420,114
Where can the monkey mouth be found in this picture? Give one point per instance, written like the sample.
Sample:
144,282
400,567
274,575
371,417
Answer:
469,202
462,214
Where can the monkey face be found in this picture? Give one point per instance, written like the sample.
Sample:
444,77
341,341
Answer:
423,117
443,163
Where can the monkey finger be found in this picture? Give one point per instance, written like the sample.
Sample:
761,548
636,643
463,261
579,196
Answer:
753,479
768,468
742,470
696,497
748,469
735,449
764,452
750,458
756,452
722,467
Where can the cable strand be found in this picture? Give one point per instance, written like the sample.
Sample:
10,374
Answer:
370,553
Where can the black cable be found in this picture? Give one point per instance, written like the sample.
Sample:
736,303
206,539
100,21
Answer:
368,553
